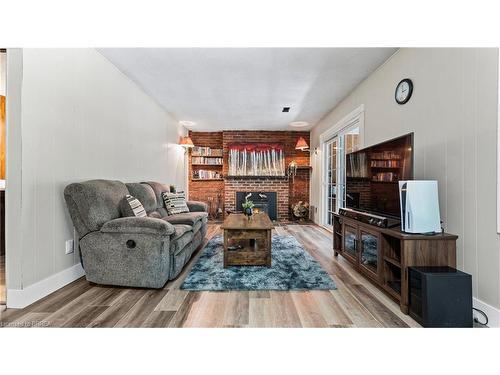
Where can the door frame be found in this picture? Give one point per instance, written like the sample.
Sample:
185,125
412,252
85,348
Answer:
356,118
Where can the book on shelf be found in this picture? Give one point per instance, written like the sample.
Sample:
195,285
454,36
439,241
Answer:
385,163
206,175
385,155
385,176
205,160
206,151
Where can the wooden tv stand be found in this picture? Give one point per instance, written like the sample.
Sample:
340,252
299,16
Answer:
383,255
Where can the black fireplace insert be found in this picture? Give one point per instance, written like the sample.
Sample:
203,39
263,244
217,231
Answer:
264,201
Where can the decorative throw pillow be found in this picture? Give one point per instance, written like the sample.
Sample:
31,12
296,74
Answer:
175,203
131,206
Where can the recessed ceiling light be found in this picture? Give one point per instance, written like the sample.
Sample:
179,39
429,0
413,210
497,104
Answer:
186,123
299,124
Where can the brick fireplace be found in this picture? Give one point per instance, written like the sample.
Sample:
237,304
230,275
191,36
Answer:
289,191
280,187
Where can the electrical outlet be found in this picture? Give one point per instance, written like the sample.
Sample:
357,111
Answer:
70,246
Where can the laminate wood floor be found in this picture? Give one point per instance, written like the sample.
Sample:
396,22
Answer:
355,303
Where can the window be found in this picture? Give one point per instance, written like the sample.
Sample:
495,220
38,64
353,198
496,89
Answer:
339,141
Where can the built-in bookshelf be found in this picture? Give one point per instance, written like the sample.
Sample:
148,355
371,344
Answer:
385,166
206,164
203,160
206,151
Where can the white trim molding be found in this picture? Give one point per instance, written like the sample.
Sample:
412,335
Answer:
20,298
354,118
492,312
356,115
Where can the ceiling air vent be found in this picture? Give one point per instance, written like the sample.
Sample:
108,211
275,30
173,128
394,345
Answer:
286,109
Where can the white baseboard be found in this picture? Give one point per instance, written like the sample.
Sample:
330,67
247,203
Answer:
492,312
20,298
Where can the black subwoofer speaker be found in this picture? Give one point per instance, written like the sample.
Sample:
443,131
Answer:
440,297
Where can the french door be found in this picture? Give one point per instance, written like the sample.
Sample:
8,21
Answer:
332,177
335,151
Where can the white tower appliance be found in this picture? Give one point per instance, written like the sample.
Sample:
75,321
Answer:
419,206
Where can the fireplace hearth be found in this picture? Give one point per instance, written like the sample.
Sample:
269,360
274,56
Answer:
264,201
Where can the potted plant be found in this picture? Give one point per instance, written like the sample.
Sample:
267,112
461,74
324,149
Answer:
248,208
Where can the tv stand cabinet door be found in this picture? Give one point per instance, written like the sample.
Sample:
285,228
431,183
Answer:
370,255
350,242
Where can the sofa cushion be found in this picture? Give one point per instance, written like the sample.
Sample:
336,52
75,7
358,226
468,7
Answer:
154,214
175,203
180,229
182,256
93,203
197,206
197,226
131,206
177,244
145,194
189,218
159,189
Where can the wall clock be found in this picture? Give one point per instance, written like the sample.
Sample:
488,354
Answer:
404,89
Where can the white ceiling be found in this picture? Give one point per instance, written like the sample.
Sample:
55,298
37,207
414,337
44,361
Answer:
246,88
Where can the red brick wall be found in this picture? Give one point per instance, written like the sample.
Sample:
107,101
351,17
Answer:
289,192
362,187
206,191
280,186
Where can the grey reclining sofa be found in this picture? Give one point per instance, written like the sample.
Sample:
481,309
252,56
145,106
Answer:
132,251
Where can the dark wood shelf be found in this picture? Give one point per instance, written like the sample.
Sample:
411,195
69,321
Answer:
256,177
207,179
385,182
385,167
206,156
360,178
207,165
394,262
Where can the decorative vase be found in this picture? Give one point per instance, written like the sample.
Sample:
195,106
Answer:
248,213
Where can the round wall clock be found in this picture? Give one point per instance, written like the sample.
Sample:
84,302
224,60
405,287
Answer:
404,89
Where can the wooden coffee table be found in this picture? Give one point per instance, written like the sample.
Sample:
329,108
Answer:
247,242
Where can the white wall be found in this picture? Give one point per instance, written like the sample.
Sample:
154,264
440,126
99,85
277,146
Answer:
78,118
453,112
3,68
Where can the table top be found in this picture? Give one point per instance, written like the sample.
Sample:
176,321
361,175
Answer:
258,221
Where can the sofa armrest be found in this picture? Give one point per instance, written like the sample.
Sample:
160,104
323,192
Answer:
196,206
139,225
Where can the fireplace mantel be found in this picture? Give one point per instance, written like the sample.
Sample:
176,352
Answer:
256,177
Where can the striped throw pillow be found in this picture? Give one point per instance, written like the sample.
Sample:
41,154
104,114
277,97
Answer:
175,203
131,206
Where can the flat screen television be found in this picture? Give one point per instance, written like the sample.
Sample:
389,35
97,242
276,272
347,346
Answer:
373,173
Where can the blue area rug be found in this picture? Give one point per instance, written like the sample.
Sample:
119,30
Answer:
292,269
